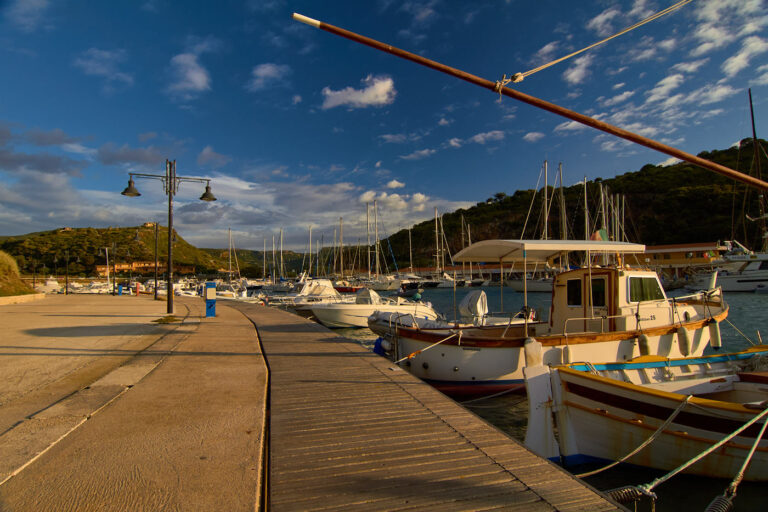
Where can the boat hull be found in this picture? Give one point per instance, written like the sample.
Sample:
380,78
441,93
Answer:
356,315
606,419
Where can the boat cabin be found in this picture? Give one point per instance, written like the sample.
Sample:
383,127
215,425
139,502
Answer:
601,299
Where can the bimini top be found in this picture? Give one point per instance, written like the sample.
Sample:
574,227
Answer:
538,251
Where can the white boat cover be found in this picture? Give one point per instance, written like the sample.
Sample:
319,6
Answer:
538,251
474,304
367,296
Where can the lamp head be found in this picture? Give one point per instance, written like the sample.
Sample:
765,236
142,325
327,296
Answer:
130,190
207,195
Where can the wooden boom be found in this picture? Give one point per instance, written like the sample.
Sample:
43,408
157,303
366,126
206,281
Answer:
498,87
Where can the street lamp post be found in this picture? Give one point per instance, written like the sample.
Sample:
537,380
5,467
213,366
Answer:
171,184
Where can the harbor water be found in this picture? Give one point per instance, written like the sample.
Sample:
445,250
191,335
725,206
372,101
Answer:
747,319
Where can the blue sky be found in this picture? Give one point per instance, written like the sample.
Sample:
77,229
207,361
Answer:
298,127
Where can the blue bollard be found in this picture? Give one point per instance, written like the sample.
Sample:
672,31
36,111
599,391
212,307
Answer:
210,300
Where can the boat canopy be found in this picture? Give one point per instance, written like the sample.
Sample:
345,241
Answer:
538,251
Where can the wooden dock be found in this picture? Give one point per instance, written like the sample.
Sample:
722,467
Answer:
348,430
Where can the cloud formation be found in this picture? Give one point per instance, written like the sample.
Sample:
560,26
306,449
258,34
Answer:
208,157
27,15
267,75
105,65
377,92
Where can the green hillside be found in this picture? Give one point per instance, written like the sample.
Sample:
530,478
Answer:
663,205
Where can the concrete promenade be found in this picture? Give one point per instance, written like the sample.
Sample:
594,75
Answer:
102,409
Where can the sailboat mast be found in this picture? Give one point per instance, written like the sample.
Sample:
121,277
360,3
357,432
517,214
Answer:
586,212
282,269
410,251
229,274
546,208
437,245
264,254
368,236
563,221
310,250
761,204
376,234
274,261
341,246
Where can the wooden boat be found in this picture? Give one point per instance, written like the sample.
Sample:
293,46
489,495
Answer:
606,411
598,313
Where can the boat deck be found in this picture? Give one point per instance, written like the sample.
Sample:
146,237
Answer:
348,429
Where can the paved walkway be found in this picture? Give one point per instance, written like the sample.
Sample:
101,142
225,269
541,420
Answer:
109,411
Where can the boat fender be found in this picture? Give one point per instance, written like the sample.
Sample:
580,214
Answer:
644,345
566,354
684,341
386,344
532,349
715,341
378,347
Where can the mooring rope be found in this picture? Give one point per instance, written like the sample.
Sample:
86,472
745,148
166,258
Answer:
518,77
645,443
648,487
414,354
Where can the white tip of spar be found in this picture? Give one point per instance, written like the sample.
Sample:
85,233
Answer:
304,19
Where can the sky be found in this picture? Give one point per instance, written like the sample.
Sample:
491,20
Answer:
296,127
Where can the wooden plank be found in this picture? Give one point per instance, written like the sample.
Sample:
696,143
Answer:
349,430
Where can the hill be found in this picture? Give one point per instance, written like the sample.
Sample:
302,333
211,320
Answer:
10,281
679,203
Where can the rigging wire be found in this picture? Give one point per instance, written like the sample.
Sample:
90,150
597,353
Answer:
519,77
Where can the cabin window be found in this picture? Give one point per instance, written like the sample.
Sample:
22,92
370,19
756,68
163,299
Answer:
574,292
644,288
598,293
763,265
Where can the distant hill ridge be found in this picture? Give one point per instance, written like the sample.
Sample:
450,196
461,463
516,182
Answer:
662,205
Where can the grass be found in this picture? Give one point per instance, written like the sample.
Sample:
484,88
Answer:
168,319
10,281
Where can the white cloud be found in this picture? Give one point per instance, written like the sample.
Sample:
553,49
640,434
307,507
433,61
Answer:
602,22
669,161
209,157
27,15
104,64
191,78
455,142
569,126
664,87
419,155
444,122
750,47
618,86
296,99
579,70
393,138
689,67
533,136
482,138
711,93
618,99
266,75
377,91
419,202
377,165
546,53
395,184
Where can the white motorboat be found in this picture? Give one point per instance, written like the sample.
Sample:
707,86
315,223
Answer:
368,302
598,313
